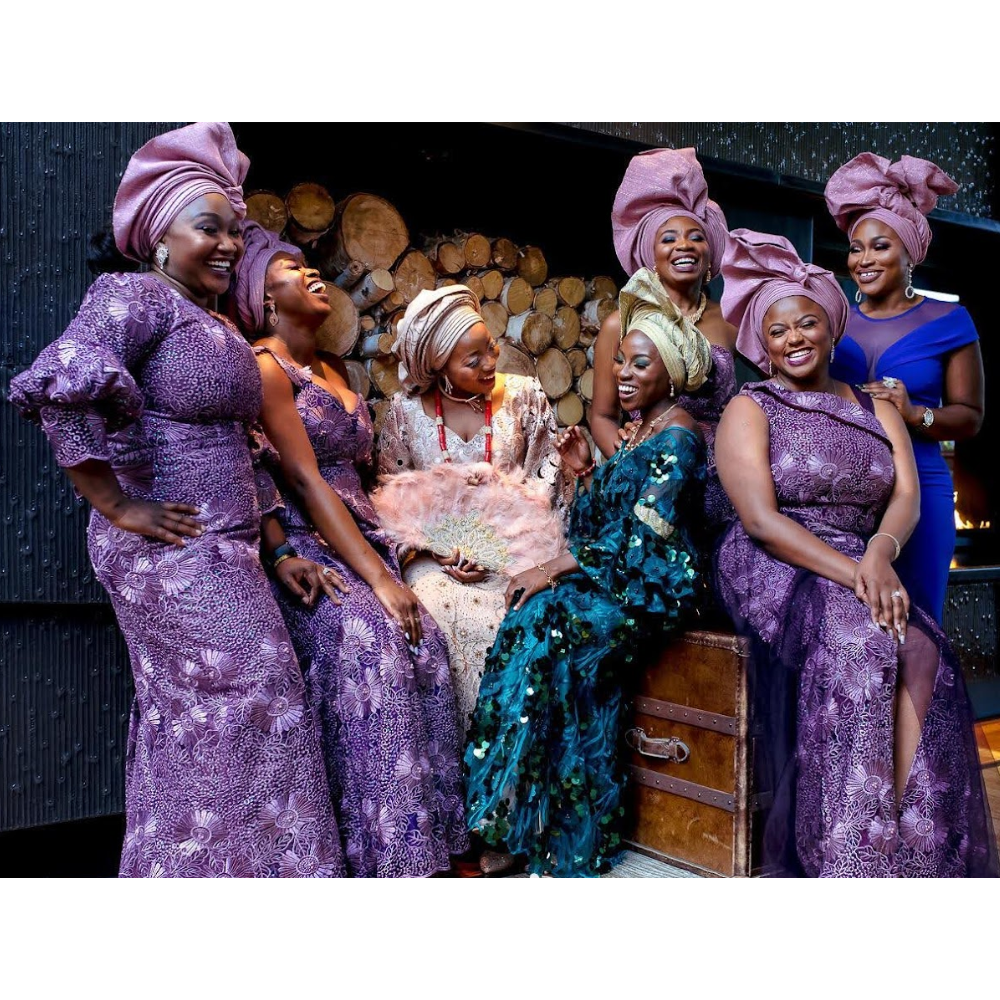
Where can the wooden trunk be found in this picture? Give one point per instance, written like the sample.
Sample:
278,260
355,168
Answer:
566,328
476,248
357,378
350,276
492,283
373,288
577,359
516,296
688,746
546,301
446,256
554,373
339,332
569,410
496,317
571,291
475,285
268,210
414,273
504,254
602,287
366,228
310,213
531,330
595,312
384,373
532,266
514,361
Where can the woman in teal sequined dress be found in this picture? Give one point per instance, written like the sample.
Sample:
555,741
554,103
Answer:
545,779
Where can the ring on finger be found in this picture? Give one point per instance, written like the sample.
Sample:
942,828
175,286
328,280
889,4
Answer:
890,381
897,595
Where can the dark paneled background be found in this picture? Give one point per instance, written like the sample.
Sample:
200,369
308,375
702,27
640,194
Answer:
64,677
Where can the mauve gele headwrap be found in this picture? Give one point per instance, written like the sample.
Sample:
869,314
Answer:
434,322
168,173
259,246
899,194
758,270
658,185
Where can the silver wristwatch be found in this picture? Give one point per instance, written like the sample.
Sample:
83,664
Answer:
928,417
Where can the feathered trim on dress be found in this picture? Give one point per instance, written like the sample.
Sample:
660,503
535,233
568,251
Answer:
496,519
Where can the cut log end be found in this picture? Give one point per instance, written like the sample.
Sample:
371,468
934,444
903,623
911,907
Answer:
554,373
268,210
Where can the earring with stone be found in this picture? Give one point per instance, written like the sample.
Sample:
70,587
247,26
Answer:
161,255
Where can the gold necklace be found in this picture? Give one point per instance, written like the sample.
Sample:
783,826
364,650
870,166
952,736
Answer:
632,443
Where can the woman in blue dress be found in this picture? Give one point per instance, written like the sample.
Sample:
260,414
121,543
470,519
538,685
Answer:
544,775
920,354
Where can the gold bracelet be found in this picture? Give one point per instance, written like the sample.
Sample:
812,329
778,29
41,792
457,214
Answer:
277,562
885,534
547,575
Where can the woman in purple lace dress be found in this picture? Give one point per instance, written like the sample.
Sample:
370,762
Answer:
870,748
146,399
376,665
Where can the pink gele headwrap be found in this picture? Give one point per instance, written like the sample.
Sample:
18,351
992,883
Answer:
758,270
167,174
658,185
259,247
898,194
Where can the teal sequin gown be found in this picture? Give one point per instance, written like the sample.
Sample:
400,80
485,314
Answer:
544,775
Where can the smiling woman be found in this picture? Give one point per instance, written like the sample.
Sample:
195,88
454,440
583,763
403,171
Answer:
868,733
146,399
377,664
921,355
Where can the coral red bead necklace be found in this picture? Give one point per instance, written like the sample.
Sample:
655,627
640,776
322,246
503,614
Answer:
439,420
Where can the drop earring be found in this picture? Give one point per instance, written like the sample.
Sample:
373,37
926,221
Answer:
272,318
770,367
909,291
161,256
708,274
446,385
672,390
833,351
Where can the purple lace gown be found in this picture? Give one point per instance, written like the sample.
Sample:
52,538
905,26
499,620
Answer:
390,731
825,677
224,772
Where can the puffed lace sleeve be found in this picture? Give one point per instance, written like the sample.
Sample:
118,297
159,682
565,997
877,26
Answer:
81,387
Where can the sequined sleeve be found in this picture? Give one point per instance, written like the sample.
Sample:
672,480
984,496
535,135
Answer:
394,440
628,540
82,387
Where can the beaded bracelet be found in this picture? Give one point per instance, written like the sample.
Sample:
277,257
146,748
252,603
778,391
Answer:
586,472
547,575
885,534
281,553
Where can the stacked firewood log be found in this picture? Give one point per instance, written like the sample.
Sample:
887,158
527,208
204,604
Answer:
545,326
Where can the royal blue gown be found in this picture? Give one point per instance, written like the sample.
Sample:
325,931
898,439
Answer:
914,348
544,772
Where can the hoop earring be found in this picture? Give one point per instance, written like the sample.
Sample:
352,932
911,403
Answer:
909,291
272,319
858,296
161,256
